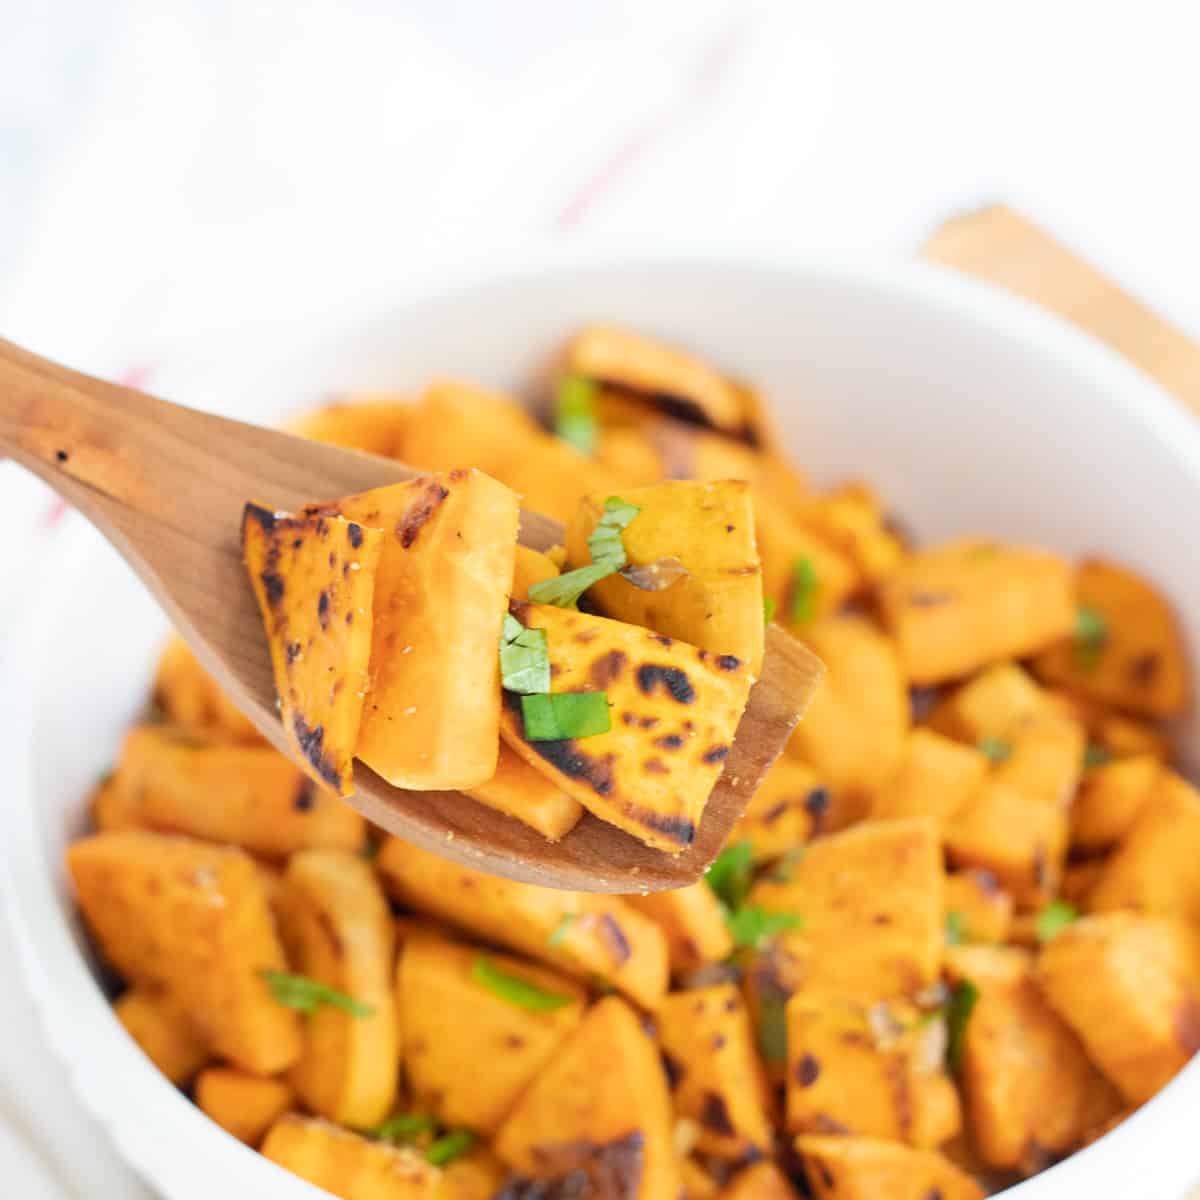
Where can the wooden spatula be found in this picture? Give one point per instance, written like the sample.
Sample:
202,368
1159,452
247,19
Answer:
166,485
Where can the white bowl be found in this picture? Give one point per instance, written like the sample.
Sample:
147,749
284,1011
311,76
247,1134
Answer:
972,411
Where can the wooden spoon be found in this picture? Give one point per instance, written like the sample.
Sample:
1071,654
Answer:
166,485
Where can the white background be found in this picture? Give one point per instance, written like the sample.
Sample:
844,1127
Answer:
171,171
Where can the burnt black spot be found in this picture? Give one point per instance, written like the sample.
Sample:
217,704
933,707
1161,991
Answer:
293,652
628,718
323,608
61,455
419,512
827,1179
776,811
615,939
297,543
662,639
312,746
881,919
649,722
807,1070
985,880
565,755
731,1004
718,1042
669,741
727,662
350,616
649,1028
651,676
716,754
729,528
355,534
678,829
514,1041
816,803
582,1170
921,701
1143,670
272,582
304,800
934,1194
674,1070
714,1115
332,559
607,669
655,766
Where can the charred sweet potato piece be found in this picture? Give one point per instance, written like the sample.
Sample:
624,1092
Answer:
803,575
984,909
586,935
1031,1092
860,1168
523,792
373,423
1110,800
871,901
1126,650
469,1051
164,1034
190,920
964,604
759,1181
314,577
242,1104
673,712
717,1081
851,518
991,705
347,1165
432,716
600,1107
692,921
790,806
190,698
854,730
935,777
337,930
249,796
705,530
1129,986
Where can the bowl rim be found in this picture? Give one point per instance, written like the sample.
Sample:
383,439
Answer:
161,1133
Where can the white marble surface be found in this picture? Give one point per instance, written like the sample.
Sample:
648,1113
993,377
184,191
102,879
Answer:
173,168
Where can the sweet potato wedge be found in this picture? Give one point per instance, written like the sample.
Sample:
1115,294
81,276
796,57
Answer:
314,577
190,920
524,792
673,710
432,717
859,1168
851,518
594,936
1110,800
469,1052
707,529
790,806
600,1107
242,1104
190,698
163,1033
692,922
337,930
935,777
959,606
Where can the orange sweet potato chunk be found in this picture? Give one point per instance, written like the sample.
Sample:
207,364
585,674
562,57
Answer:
692,921
789,807
314,577
860,1168
164,1034
190,698
242,1104
524,792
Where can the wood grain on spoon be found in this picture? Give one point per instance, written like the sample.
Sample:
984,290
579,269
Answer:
166,485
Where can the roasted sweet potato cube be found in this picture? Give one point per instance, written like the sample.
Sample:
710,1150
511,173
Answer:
242,1104
189,697
692,921
1127,651
759,1181
600,1107
373,423
935,777
1042,758
314,578
590,936
1031,1092
871,901
803,575
673,711
717,1081
1129,986
855,727
850,517
432,718
1154,869
860,1168
337,929
669,376
959,606
250,796
524,792
869,1072
347,1165
163,1033
190,920
469,1052
991,705
1110,800
790,806
984,909
707,531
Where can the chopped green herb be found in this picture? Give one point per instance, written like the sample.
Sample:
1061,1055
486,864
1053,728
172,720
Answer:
958,1012
446,1149
608,557
575,413
524,658
553,717
802,602
1091,635
307,995
731,874
956,929
404,1127
768,609
561,929
996,749
1053,919
1097,756
516,991
772,1027
752,926
785,868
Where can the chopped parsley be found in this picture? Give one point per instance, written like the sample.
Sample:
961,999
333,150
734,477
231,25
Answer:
752,926
995,749
446,1149
802,601
1097,756
560,931
403,1127
524,658
556,716
575,413
768,609
731,874
307,995
958,1011
608,557
515,990
1091,635
1053,919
